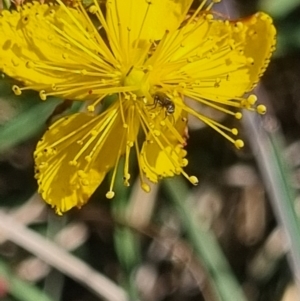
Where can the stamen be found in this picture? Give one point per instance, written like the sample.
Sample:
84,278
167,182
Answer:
98,73
236,103
84,49
126,165
220,128
142,25
261,109
103,47
119,34
122,111
156,133
200,7
16,89
159,51
105,129
173,130
91,108
110,194
209,7
193,179
144,185
209,103
113,42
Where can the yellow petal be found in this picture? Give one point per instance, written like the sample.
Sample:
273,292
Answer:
160,163
74,156
217,59
144,19
162,154
55,49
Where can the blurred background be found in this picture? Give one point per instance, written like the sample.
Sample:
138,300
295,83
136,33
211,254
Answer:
234,237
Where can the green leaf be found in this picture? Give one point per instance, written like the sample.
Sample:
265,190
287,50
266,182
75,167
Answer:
29,114
26,124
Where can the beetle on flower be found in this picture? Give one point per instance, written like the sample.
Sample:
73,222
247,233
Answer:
142,48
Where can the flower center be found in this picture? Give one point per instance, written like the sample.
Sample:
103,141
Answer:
137,78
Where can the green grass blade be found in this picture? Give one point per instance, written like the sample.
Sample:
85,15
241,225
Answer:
127,245
20,289
268,149
205,245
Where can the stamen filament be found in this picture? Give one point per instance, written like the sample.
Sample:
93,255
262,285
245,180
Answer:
111,193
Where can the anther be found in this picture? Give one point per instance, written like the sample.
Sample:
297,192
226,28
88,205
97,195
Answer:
238,26
110,195
250,61
16,89
177,171
149,68
194,180
146,187
185,162
239,143
29,64
43,95
81,174
126,179
183,152
88,158
73,163
127,176
93,9
209,17
43,165
91,108
85,182
238,115
261,109
252,99
156,133
58,212
234,131
182,85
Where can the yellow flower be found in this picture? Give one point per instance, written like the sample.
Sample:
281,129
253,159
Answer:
149,54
